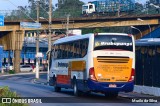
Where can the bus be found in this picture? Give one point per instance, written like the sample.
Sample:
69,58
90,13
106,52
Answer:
100,62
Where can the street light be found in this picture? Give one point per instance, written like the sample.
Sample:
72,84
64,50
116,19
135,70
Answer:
139,19
137,29
43,18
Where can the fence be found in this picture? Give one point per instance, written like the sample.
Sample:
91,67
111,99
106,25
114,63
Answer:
148,63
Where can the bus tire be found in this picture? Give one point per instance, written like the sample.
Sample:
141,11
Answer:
111,94
75,88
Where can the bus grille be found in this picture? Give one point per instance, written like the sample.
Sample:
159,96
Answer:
112,59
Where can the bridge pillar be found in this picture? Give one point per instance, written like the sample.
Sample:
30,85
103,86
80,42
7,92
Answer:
17,60
19,40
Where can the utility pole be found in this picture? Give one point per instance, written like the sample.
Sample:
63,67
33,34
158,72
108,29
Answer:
37,43
49,36
67,27
119,8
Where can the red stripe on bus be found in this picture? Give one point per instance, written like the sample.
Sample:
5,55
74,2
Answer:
63,79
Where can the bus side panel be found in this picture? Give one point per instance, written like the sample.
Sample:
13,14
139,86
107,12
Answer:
62,72
78,72
51,73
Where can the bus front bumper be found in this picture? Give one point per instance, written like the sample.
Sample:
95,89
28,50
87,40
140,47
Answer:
104,86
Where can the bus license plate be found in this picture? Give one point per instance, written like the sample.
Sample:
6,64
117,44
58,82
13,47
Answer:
112,85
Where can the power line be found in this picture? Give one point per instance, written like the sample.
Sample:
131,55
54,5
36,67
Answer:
22,11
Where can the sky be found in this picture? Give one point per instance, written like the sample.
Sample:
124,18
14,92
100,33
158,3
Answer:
13,4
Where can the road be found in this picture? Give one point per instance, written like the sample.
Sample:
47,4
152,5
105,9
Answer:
25,87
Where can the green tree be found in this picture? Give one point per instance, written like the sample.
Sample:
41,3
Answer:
138,9
30,11
44,8
72,7
18,14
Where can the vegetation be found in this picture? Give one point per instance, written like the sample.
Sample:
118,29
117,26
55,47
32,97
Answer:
72,7
11,71
5,92
30,11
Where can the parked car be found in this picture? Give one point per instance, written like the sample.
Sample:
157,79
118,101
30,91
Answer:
43,68
7,67
26,68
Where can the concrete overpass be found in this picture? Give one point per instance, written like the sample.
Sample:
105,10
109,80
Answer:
12,35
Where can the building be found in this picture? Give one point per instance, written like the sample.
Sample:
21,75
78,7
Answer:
28,52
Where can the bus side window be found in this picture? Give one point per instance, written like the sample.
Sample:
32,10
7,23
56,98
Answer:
78,49
59,52
85,47
72,50
56,52
69,50
53,51
63,52
66,50
81,48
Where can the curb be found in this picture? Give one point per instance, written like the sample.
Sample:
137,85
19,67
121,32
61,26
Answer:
132,95
2,77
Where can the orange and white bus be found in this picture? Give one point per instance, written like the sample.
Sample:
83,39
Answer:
102,62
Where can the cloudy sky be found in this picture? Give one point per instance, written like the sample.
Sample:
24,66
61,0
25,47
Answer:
13,4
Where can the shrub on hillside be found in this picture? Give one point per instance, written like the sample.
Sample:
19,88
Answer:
6,93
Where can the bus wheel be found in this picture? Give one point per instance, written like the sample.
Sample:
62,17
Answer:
75,88
111,94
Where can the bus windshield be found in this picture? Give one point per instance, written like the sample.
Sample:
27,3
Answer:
113,42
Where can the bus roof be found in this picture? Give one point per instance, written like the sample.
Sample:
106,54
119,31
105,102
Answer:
77,37
72,38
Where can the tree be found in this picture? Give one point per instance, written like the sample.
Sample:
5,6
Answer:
44,8
72,7
30,11
138,9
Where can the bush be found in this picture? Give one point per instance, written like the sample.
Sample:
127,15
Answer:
5,92
11,71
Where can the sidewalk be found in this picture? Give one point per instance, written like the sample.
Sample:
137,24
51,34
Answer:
7,75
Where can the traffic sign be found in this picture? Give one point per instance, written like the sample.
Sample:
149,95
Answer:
30,25
1,20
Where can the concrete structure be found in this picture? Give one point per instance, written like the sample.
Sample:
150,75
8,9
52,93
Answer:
28,52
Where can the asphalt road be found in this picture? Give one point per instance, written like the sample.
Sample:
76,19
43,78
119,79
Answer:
25,87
